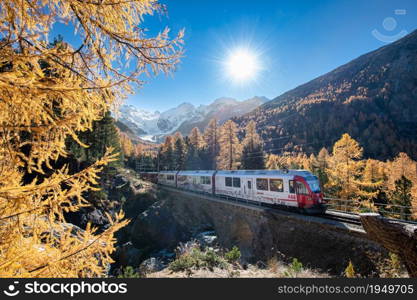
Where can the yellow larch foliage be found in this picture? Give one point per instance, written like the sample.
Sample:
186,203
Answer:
196,138
48,92
345,168
127,146
230,147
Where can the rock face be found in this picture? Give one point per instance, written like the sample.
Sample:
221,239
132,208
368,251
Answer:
400,239
259,233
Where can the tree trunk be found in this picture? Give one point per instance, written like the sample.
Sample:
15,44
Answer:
398,238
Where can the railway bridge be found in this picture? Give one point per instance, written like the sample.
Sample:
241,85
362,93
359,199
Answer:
262,232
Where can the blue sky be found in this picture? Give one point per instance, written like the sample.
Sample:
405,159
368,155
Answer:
295,40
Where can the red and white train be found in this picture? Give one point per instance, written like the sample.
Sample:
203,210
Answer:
292,188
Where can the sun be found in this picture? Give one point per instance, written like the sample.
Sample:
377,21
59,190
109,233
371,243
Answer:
242,65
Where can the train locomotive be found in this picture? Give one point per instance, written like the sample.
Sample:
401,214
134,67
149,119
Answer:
299,189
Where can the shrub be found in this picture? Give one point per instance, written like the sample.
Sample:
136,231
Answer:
233,255
181,264
294,268
128,272
197,259
212,260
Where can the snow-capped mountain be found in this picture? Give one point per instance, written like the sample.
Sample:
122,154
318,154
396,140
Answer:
152,126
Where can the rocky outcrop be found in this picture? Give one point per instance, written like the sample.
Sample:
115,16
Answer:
260,233
398,238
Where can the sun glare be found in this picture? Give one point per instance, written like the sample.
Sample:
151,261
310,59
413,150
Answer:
242,65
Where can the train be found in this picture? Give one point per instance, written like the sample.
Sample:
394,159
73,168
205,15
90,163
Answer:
299,189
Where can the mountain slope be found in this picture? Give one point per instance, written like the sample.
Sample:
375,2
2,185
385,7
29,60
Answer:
155,125
373,98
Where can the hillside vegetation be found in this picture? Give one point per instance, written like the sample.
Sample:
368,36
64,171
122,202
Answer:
371,98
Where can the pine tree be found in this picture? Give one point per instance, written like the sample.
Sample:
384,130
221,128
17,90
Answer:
193,161
211,137
400,198
180,152
49,93
230,148
167,154
320,164
104,134
253,156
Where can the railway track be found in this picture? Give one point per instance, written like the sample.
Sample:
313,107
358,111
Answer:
342,217
334,215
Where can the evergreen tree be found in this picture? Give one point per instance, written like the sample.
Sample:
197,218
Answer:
400,198
166,159
211,137
253,156
194,161
320,164
103,134
180,152
230,148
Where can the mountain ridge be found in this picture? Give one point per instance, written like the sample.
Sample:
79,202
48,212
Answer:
370,97
153,126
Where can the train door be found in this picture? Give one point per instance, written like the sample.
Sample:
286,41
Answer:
248,188
302,193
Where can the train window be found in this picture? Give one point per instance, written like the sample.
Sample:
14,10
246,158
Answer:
292,187
276,185
182,178
195,180
205,180
170,177
262,184
228,181
250,185
301,189
236,182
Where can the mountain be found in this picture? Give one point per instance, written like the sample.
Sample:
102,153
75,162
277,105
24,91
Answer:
373,98
153,126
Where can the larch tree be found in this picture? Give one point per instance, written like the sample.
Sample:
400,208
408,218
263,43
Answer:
344,168
253,156
196,139
167,154
230,147
49,92
275,162
372,180
403,165
211,137
128,148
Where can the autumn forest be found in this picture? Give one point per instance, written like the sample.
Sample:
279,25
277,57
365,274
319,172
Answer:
71,191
